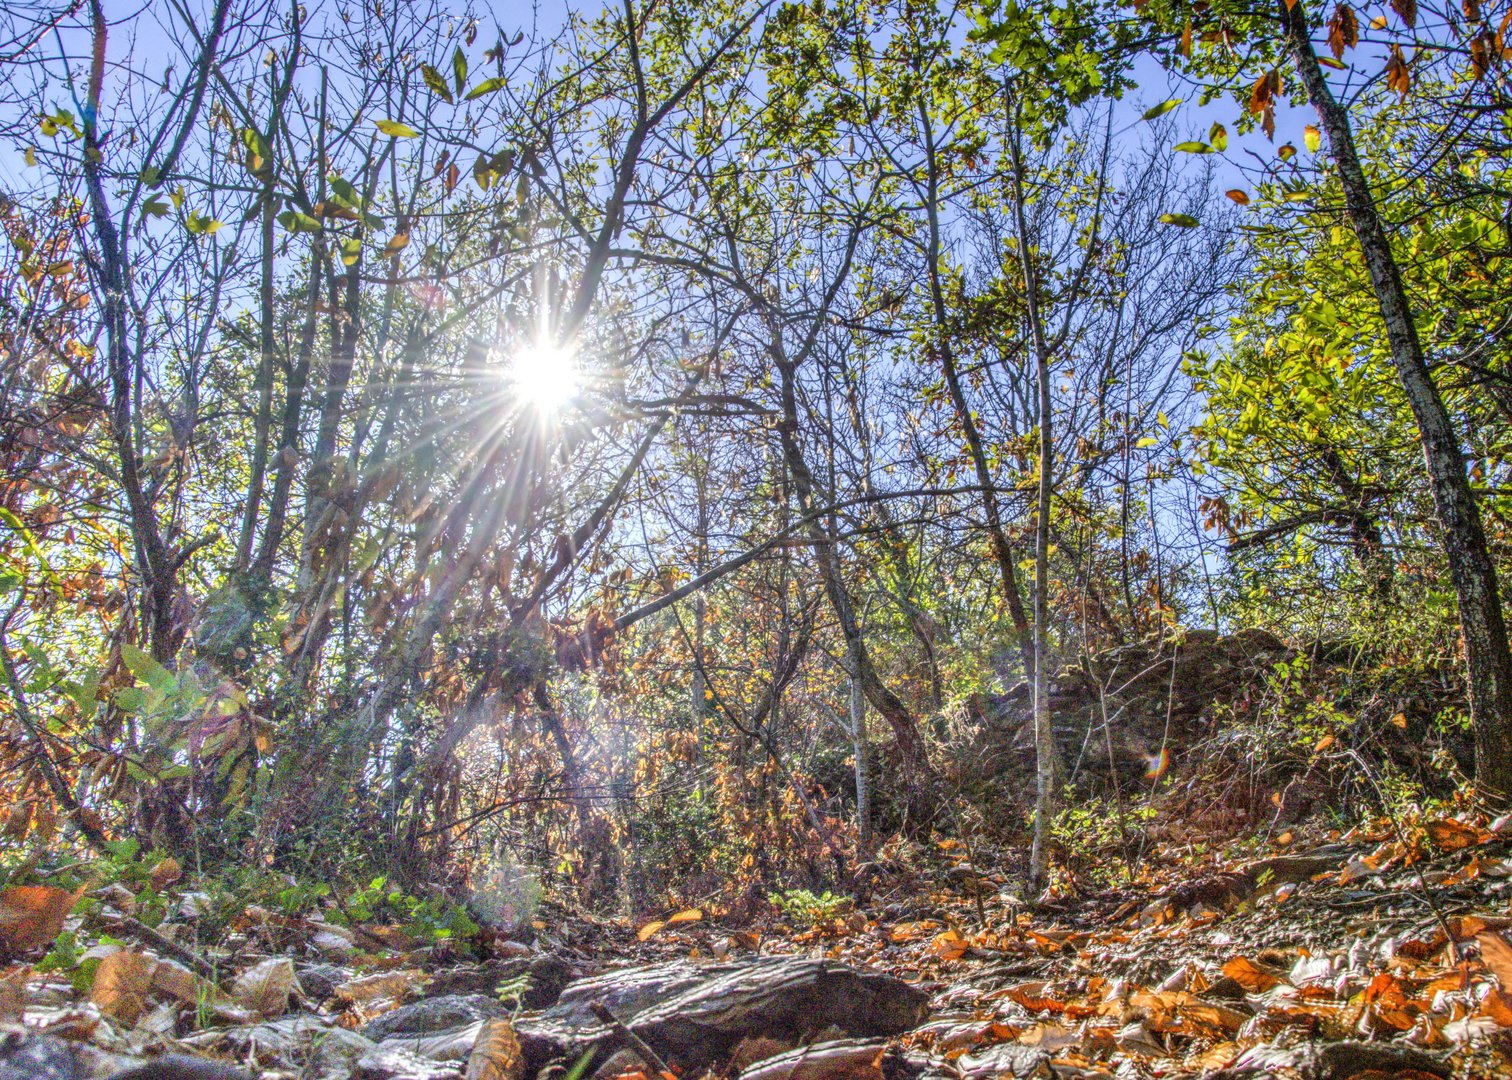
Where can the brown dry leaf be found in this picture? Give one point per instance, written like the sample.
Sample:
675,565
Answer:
1498,1006
691,915
650,928
32,915
1452,835
177,981
121,985
1498,956
266,986
385,984
949,946
496,1053
166,873
13,994
1250,975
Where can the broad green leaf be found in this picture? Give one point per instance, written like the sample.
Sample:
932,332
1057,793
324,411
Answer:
351,251
394,129
459,70
295,221
1218,136
436,82
1186,221
1161,109
1192,147
145,668
487,86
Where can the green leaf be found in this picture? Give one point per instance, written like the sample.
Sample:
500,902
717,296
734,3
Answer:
351,251
201,224
1161,109
1186,221
436,82
145,668
1218,136
394,129
1192,147
295,221
1146,442
487,86
459,70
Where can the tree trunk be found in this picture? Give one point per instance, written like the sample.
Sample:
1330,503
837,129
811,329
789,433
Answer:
1482,624
1044,736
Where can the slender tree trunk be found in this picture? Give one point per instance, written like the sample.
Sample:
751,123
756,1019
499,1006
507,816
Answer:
1002,550
859,748
1482,623
1044,736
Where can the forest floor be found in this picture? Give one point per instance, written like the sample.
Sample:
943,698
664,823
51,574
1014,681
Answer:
1377,953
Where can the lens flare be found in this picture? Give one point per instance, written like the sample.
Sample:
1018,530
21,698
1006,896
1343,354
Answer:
546,377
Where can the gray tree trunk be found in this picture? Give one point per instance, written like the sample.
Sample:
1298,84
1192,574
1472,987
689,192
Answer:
1482,623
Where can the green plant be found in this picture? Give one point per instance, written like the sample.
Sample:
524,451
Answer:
511,992
802,906
430,918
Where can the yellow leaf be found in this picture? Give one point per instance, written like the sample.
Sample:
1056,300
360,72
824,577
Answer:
690,915
394,129
650,928
1312,137
397,243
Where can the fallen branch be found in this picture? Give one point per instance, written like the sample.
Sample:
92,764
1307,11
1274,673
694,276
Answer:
631,1039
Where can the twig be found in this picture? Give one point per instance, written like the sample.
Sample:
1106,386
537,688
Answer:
630,1038
161,942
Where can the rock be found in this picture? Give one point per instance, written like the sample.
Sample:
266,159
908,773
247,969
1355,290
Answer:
1004,1060
448,1044
694,1013
841,1059
1333,1061
180,1067
549,974
619,1063
40,1057
434,1014
309,1046
321,980
388,1063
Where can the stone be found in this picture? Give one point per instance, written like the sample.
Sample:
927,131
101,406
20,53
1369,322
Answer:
316,1050
389,1063
549,974
694,1013
434,1014
321,980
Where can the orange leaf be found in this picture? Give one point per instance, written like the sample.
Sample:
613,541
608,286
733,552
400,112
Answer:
1250,975
650,928
691,915
166,873
32,915
1452,835
496,1053
1498,956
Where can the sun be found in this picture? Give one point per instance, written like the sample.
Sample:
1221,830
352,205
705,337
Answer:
545,377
